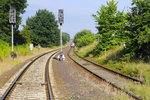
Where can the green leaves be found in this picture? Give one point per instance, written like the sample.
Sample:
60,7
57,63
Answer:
84,38
110,24
65,37
5,30
139,30
44,27
26,33
132,28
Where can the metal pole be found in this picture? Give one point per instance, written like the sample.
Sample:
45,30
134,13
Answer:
12,39
61,37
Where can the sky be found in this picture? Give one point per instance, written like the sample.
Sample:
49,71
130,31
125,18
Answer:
77,13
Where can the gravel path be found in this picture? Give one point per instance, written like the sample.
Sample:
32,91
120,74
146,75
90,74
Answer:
30,86
70,81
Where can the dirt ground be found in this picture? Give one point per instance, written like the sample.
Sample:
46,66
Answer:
73,82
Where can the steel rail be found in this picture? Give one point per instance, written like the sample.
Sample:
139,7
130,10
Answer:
115,72
21,73
111,83
47,78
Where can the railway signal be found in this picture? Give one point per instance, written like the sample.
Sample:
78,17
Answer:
12,21
61,21
61,16
12,16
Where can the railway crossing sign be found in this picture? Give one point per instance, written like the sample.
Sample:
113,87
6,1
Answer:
61,16
12,16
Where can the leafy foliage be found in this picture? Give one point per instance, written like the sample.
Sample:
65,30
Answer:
138,45
84,38
65,37
44,27
5,30
26,33
4,49
110,25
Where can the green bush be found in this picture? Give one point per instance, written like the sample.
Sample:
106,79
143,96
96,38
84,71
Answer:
83,38
5,49
23,50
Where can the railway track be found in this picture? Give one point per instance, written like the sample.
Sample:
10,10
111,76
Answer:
106,71
112,71
28,80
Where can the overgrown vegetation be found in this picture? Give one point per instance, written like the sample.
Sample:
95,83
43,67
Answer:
84,38
44,27
41,30
5,30
65,37
4,50
138,27
124,43
21,50
109,59
130,29
110,25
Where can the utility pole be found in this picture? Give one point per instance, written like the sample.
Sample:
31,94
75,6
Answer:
61,21
12,21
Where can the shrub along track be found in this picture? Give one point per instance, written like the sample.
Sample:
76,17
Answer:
115,79
31,78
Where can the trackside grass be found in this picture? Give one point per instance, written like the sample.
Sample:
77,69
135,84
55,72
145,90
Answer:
23,53
140,69
5,50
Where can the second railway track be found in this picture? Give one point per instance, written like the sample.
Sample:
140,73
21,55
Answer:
33,81
112,71
111,77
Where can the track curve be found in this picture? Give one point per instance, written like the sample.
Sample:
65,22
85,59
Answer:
108,81
20,75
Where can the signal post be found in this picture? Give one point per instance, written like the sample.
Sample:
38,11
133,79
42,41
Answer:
12,21
61,56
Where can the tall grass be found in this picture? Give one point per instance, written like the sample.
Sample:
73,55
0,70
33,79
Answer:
23,50
23,53
88,49
140,69
5,50
141,90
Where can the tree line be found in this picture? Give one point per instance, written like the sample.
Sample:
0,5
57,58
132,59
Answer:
131,29
40,29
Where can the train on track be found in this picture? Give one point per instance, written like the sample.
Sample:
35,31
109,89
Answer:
72,45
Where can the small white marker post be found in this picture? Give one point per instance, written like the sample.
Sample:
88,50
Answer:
61,56
12,21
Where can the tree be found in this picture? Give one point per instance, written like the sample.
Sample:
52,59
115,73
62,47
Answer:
26,34
138,45
84,38
5,30
110,25
65,37
44,27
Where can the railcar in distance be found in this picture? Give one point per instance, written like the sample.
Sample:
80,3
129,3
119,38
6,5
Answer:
72,45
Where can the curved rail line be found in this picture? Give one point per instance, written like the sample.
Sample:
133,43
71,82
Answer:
7,92
47,78
115,72
112,84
